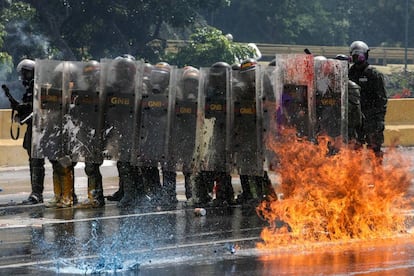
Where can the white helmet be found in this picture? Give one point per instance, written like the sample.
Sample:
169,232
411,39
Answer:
26,64
358,48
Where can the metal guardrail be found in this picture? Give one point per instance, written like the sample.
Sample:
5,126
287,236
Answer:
377,55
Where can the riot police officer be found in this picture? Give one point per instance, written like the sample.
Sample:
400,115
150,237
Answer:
244,93
62,165
154,133
213,149
184,130
91,74
26,69
247,148
119,95
373,97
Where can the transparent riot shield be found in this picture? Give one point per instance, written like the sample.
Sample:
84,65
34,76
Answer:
331,98
213,148
70,82
184,119
117,98
269,115
82,120
49,108
156,105
295,95
247,123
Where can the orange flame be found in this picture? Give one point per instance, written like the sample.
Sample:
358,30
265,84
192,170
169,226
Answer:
347,196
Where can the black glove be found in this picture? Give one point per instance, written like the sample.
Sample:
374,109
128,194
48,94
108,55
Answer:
23,110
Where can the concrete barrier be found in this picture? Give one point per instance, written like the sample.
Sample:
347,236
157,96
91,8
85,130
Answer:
399,122
11,151
399,130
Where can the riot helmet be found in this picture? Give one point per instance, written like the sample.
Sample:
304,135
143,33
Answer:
248,70
131,57
91,73
123,72
218,74
190,78
189,67
26,70
235,67
359,51
219,68
160,77
248,65
67,72
343,57
148,67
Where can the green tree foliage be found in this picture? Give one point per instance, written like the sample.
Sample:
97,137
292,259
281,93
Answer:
6,15
318,22
73,29
23,38
207,46
108,28
285,21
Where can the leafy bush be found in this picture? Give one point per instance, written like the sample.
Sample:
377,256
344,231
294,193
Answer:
208,45
400,84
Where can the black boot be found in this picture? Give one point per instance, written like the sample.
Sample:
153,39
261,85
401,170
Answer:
246,194
130,192
141,196
129,198
203,183
37,176
74,196
188,185
152,184
169,188
120,193
225,192
95,189
268,192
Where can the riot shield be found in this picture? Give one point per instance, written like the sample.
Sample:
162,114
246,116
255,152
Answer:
184,119
269,115
84,112
247,123
117,98
156,104
331,97
214,121
295,95
70,82
49,109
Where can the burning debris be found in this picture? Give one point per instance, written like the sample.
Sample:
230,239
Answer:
347,196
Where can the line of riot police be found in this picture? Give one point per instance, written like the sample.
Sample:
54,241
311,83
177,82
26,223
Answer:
208,123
